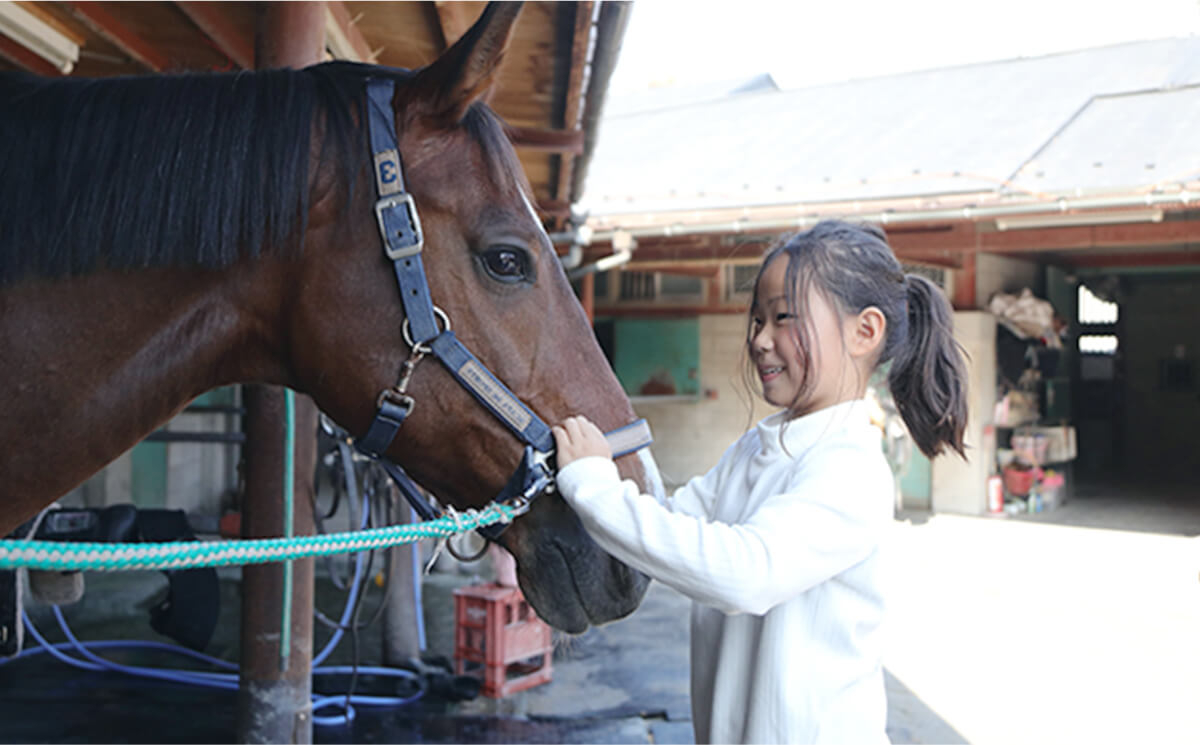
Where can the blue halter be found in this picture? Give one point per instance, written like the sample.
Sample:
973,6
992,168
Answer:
403,241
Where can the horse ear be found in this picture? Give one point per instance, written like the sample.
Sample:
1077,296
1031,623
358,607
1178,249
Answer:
463,73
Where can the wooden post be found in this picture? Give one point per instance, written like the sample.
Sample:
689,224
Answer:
587,295
275,699
964,284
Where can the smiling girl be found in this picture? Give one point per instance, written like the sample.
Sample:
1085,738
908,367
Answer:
778,545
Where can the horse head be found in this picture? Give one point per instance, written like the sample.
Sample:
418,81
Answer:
492,271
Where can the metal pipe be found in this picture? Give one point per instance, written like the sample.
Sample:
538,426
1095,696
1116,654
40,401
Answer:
967,212
612,261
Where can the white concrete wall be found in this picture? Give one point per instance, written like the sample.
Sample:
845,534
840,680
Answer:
958,485
691,435
108,487
198,474
1004,274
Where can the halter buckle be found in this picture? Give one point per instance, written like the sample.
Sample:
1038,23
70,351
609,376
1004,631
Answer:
400,226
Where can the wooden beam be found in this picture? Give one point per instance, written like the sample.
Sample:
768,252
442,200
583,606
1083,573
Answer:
707,271
1157,258
943,239
572,116
455,18
25,59
967,238
119,35
212,22
672,311
553,208
343,24
1093,236
532,139
700,251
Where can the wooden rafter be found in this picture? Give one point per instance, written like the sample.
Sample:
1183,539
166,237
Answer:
454,18
343,24
209,19
119,35
547,140
553,208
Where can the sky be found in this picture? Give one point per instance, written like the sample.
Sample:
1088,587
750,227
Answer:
803,43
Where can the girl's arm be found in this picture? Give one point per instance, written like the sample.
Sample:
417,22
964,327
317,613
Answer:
825,523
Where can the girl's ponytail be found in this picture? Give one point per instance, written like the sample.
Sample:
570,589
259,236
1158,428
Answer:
928,376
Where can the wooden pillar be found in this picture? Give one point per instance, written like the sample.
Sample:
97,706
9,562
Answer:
587,295
274,699
964,283
275,694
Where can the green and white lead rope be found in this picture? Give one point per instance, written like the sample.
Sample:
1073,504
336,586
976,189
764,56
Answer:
114,557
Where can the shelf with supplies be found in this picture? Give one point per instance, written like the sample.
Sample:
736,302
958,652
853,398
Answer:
1034,458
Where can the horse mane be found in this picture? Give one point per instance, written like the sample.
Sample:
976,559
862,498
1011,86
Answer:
195,170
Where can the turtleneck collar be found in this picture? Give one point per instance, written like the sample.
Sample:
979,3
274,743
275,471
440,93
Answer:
803,432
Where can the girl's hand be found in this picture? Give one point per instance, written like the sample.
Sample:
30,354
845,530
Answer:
578,438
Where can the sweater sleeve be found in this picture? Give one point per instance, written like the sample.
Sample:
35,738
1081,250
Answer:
824,524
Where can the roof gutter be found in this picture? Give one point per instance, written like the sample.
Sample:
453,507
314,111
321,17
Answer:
1061,205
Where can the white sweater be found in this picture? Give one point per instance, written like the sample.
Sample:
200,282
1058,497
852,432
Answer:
778,547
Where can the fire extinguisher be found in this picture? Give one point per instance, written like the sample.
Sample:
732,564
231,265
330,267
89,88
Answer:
995,493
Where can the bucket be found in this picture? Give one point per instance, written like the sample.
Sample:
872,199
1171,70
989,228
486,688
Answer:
1018,481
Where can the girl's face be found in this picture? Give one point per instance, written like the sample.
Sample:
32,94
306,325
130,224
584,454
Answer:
776,352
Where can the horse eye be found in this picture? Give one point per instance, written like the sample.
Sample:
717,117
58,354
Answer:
505,264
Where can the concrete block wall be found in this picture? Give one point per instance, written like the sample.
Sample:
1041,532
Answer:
197,474
1005,274
958,485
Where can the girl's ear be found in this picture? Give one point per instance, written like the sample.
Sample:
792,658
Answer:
866,332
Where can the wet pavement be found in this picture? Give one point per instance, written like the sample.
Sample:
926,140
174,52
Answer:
1003,630
625,682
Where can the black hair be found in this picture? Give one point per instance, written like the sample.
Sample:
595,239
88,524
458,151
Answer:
189,170
853,266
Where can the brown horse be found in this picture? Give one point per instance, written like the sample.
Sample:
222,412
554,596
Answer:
162,236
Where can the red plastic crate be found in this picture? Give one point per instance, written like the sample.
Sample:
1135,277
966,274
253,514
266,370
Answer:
499,637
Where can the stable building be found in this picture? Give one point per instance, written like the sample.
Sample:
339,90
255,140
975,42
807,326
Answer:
1075,176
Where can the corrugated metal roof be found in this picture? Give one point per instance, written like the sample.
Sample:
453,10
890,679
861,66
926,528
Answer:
1119,141
953,130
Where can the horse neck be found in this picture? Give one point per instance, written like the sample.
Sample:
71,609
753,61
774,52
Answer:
95,363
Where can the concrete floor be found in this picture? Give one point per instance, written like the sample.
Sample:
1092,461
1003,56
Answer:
1077,625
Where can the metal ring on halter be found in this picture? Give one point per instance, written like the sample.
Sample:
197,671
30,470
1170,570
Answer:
438,312
466,559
